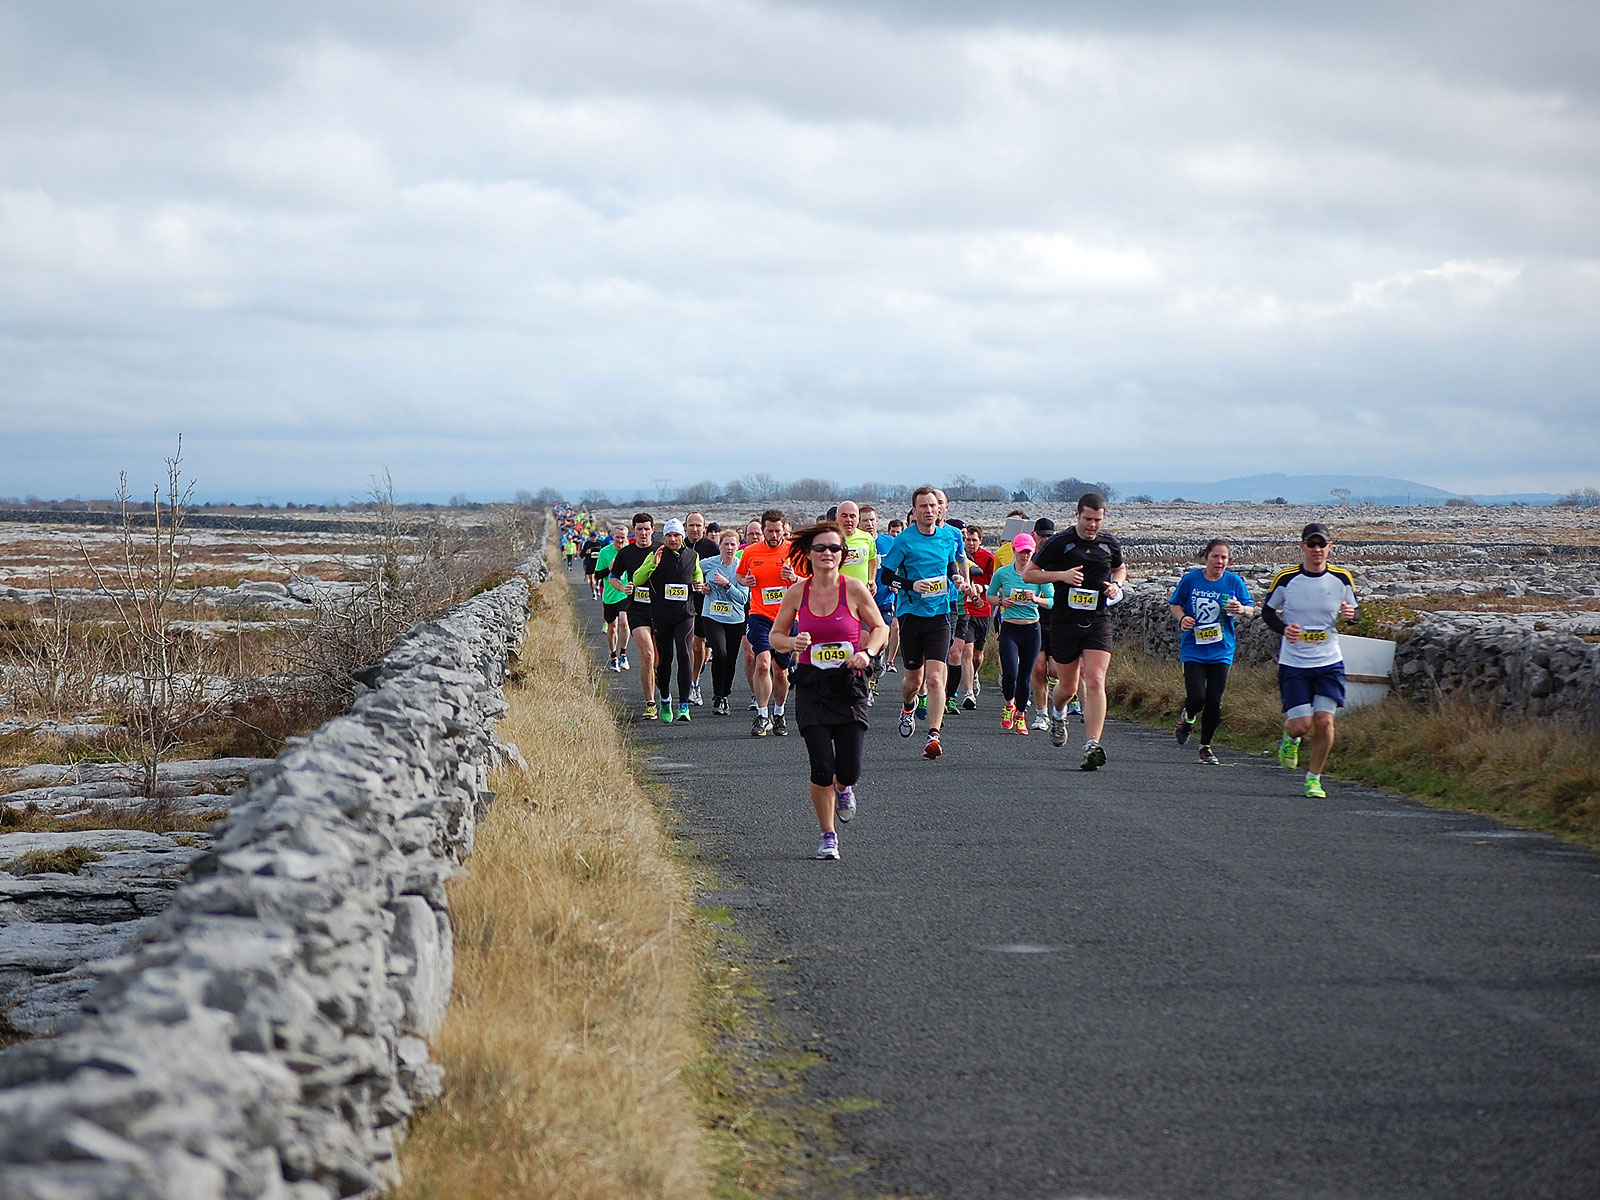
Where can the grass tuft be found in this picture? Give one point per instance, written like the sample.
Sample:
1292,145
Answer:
68,860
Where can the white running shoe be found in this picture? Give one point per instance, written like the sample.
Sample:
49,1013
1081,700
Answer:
829,846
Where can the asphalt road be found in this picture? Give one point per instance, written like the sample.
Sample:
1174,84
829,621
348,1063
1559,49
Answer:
1161,979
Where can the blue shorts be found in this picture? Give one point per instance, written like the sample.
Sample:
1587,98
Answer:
1307,690
757,629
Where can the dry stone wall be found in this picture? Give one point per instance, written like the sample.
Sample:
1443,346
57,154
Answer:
264,1036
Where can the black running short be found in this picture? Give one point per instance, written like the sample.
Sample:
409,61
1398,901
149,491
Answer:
612,611
1071,636
638,614
923,638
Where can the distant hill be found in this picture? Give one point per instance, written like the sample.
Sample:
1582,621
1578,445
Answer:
1312,489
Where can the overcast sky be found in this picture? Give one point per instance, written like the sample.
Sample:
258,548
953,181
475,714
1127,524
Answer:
491,246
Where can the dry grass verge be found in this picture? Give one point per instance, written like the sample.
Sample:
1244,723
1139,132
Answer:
570,1032
1540,774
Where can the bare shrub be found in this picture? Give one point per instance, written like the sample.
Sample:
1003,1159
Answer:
55,660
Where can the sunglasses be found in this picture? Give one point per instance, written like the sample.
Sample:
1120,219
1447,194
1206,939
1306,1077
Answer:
1317,544
829,547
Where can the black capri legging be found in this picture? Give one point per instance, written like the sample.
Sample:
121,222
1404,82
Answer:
835,752
1205,683
673,637
724,642
1019,646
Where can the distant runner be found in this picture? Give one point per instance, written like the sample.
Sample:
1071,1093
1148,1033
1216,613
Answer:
725,601
1085,563
765,569
1302,605
627,561
1205,602
1018,603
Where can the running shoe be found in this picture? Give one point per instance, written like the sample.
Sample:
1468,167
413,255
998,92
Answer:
872,696
969,702
844,803
1020,726
828,848
951,707
1074,709
779,726
694,695
666,711
1093,757
683,712
761,726
908,722
1314,787
1008,718
1208,757
719,706
651,712
977,687
1040,722
1058,731
1182,728
890,669
753,706
625,665
922,708
932,749
613,665
1288,752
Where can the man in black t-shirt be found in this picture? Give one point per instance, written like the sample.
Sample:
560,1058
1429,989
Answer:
622,568
1086,566
694,534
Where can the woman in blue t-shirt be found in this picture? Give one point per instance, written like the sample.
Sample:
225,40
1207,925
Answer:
1205,602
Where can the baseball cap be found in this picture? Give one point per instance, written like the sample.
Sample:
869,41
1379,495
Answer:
1023,543
1043,526
672,526
1315,529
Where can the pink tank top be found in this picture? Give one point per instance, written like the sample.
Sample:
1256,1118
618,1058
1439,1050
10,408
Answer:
835,637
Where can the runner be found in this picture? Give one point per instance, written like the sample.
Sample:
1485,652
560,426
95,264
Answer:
672,575
627,561
1302,606
614,599
592,545
1205,602
923,563
694,533
973,625
1043,530
896,528
837,628
1018,603
1089,562
764,568
725,601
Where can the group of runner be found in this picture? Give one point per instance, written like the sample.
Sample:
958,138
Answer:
823,608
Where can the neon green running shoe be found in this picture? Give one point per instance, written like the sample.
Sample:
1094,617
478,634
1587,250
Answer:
666,712
1314,787
1288,752
683,712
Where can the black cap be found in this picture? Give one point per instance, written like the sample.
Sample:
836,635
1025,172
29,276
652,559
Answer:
1315,529
956,522
1043,525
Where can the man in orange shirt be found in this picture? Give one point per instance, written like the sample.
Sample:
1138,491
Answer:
765,569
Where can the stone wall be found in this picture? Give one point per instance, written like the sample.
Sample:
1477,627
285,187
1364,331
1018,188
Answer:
1527,673
264,1037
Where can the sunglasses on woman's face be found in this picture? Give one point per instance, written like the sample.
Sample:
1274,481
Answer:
832,547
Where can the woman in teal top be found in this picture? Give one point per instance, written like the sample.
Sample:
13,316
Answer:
1019,603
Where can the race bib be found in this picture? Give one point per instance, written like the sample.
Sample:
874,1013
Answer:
773,595
676,591
1313,635
855,555
721,608
1205,635
1022,594
1083,599
937,587
831,655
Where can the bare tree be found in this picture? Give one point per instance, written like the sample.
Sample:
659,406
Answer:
161,686
1342,494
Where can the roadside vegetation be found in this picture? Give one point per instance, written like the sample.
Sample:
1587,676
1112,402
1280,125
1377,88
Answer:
1456,754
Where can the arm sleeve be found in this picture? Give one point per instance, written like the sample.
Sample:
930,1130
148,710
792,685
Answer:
1271,615
643,571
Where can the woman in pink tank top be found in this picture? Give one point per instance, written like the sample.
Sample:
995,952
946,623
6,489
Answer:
836,629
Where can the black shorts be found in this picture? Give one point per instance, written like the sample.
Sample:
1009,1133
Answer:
963,629
923,638
638,614
1070,637
978,633
613,611
700,623
1044,641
